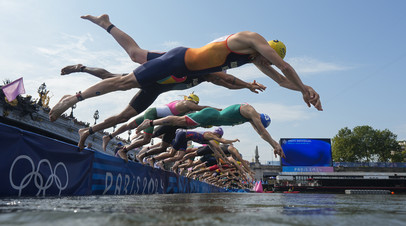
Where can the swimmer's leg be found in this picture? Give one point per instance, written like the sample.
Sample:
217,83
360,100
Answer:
98,72
136,54
168,120
105,86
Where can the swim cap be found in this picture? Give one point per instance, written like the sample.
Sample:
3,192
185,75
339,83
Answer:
265,119
193,97
279,47
219,131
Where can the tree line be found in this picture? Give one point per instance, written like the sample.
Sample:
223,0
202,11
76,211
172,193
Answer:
365,144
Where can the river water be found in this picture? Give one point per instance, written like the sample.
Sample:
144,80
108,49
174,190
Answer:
207,209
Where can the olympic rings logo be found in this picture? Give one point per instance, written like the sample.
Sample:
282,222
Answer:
37,177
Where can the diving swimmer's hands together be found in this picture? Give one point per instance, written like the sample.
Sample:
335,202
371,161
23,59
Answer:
254,87
277,150
312,98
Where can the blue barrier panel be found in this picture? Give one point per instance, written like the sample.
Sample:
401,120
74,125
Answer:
113,176
35,165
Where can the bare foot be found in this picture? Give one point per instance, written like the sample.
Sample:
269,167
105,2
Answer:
123,154
71,69
106,140
66,102
83,134
103,20
143,125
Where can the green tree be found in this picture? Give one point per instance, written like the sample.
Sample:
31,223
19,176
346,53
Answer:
364,144
386,147
343,150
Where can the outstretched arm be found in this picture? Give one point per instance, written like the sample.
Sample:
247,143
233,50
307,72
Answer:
211,136
232,82
237,156
218,153
267,55
236,165
250,113
98,72
271,56
286,83
260,129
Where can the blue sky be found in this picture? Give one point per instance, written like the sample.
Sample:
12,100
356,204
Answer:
351,52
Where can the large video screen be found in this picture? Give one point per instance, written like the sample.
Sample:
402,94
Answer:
306,152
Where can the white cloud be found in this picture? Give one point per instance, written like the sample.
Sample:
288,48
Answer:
307,65
73,50
68,43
